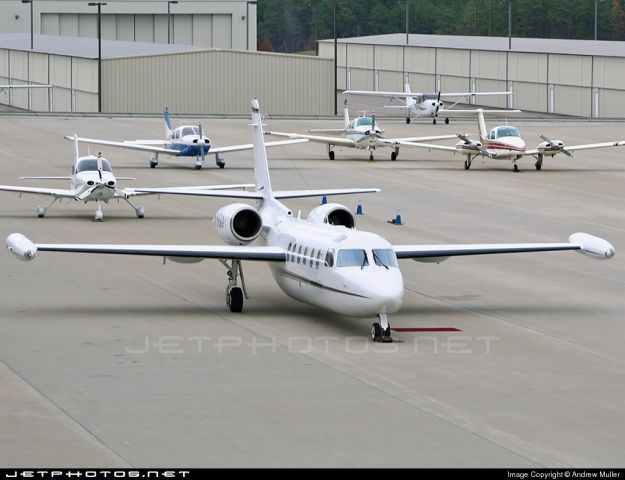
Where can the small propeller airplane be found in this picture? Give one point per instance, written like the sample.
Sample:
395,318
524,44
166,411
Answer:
321,260
362,133
184,141
92,180
423,104
505,143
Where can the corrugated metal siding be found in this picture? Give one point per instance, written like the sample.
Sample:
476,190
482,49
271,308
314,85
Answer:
218,82
61,18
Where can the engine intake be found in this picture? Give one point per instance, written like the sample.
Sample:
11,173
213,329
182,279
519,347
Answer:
332,214
238,224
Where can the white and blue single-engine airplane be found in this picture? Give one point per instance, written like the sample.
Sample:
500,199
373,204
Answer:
361,132
184,141
423,104
321,260
504,142
92,180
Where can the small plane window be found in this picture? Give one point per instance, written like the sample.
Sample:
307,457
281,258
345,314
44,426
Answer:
352,257
299,254
312,257
318,259
304,259
385,257
189,131
91,165
288,255
330,258
493,135
364,121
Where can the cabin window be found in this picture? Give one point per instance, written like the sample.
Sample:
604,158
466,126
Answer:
330,258
288,253
352,257
385,257
91,165
299,254
312,257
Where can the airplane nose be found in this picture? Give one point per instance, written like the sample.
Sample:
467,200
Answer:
387,292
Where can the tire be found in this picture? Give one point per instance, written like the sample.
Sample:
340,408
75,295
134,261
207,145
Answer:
393,156
376,332
331,154
236,299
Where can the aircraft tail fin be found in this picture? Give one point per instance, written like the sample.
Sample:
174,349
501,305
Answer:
481,123
261,167
167,123
345,114
76,153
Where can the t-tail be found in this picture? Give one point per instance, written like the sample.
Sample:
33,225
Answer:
261,167
167,123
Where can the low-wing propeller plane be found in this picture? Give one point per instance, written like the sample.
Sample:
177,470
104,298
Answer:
92,180
184,141
423,104
321,260
504,142
361,132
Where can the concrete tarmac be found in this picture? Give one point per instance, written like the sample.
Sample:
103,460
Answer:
116,360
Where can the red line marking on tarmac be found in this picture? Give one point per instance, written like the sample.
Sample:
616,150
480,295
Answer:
427,329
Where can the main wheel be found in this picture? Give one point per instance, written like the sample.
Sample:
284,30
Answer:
153,164
222,165
331,154
467,165
434,121
235,299
538,166
198,166
447,121
407,119
515,167
376,332
393,156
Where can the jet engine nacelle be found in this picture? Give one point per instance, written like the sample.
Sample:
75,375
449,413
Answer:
238,223
21,246
332,214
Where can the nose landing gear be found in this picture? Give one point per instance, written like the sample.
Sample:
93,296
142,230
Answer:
381,332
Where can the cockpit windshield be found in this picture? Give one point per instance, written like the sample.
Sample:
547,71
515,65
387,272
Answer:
385,257
504,132
362,122
352,257
91,165
189,131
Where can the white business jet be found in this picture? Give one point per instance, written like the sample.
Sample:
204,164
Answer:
92,180
321,260
423,104
184,141
505,143
362,132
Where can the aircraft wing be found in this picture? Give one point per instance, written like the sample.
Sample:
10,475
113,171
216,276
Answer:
588,244
432,146
320,193
249,146
383,94
127,145
458,112
468,94
55,192
408,140
588,146
131,192
340,141
24,248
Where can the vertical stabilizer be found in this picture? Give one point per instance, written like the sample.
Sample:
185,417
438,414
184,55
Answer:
261,168
167,124
76,154
345,114
481,124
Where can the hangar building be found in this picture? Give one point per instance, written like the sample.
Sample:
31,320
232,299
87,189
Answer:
573,77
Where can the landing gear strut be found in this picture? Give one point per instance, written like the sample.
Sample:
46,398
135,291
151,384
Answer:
539,162
467,164
381,332
139,211
234,293
41,211
371,155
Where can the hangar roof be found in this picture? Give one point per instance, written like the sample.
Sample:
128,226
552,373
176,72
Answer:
88,47
534,45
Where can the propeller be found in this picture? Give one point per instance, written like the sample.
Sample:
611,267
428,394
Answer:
477,145
438,103
202,150
556,143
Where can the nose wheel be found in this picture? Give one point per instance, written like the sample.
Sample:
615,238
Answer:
381,331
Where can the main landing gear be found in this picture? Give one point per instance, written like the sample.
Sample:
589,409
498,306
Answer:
154,161
539,162
234,293
467,164
515,167
139,211
394,154
381,332
407,120
219,161
446,121
330,152
41,211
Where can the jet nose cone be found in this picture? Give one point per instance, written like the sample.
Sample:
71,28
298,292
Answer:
387,292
